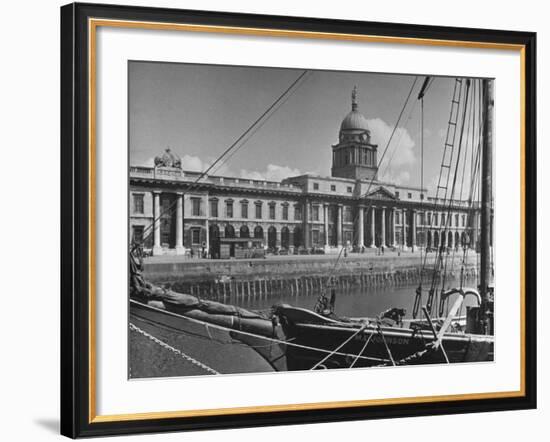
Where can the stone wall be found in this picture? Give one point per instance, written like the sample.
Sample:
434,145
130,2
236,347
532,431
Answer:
249,278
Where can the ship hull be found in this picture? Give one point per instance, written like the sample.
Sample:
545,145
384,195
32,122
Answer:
326,343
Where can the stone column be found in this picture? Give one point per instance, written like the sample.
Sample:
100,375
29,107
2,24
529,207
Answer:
474,232
404,239
307,225
383,228
360,228
372,227
339,226
413,233
393,239
207,225
157,249
180,250
325,220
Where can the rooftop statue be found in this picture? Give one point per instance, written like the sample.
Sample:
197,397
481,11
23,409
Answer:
168,159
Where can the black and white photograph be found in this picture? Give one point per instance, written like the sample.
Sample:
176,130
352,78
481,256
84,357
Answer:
285,219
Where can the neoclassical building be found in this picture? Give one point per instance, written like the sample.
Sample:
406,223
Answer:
175,211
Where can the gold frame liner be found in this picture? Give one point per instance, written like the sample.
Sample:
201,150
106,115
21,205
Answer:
93,24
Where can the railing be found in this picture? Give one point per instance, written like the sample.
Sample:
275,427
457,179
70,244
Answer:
172,174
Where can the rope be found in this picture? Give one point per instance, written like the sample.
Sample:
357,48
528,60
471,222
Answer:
375,175
254,335
297,84
339,347
250,129
385,343
173,350
362,350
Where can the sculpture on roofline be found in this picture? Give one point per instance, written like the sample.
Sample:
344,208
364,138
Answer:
168,159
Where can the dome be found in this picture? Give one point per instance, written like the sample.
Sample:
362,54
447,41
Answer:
355,120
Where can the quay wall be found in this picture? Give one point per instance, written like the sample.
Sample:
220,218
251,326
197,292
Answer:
218,279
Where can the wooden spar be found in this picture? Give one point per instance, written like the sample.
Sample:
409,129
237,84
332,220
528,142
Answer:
486,190
423,88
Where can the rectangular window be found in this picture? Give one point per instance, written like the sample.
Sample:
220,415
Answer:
214,208
443,219
350,189
258,211
315,213
429,219
244,210
398,217
456,220
315,186
196,206
333,188
229,209
348,237
285,213
348,217
315,237
196,236
138,234
272,211
409,195
298,213
138,203
397,194
463,220
436,219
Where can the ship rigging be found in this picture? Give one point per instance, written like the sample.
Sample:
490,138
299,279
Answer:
293,338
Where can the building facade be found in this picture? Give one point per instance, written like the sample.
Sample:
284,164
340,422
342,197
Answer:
177,211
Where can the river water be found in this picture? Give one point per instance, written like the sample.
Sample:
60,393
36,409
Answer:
359,301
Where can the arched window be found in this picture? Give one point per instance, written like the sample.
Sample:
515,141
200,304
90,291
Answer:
229,231
285,238
213,231
258,232
272,237
244,232
465,242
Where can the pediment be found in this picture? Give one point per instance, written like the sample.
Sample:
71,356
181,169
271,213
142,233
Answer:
381,193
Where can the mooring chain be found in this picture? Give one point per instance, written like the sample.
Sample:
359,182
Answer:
173,350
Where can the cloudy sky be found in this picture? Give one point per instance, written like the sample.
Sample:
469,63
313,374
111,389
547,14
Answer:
198,111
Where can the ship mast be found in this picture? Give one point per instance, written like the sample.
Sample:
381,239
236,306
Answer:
486,203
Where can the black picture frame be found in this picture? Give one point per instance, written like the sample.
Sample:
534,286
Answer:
76,418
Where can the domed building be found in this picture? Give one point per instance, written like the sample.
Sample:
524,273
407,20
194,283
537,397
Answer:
354,156
178,211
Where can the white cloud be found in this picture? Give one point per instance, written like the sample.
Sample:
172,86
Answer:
273,172
193,163
400,156
251,175
189,162
402,143
400,177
